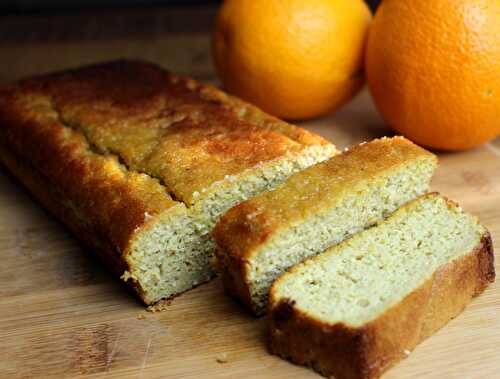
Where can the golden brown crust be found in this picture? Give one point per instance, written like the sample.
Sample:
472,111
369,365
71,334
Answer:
244,228
104,194
233,273
53,200
366,352
186,134
120,143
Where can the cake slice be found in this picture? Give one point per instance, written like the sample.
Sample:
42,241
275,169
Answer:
364,304
314,209
139,163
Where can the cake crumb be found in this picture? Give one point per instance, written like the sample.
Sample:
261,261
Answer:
407,352
221,358
159,306
126,276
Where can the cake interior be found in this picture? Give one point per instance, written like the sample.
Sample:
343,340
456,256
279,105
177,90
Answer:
376,269
175,253
360,206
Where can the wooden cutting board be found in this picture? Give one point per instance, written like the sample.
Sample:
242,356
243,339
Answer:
63,315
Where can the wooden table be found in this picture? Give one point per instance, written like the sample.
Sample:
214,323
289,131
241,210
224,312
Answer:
63,315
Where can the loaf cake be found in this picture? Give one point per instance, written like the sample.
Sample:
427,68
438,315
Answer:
139,163
364,304
316,208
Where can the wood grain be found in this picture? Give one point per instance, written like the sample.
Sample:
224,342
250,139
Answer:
61,313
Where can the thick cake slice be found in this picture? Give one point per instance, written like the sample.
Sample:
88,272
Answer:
315,209
139,163
355,310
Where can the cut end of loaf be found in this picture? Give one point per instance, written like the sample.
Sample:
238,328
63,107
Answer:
174,252
388,288
374,270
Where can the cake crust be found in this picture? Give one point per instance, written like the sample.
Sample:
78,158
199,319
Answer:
367,351
48,195
186,134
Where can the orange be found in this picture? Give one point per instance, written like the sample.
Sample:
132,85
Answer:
433,68
295,59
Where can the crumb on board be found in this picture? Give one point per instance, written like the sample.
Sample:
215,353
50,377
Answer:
221,358
407,352
159,306
126,276
141,316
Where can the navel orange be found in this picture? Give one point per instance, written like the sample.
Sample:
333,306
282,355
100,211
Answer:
295,59
433,68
